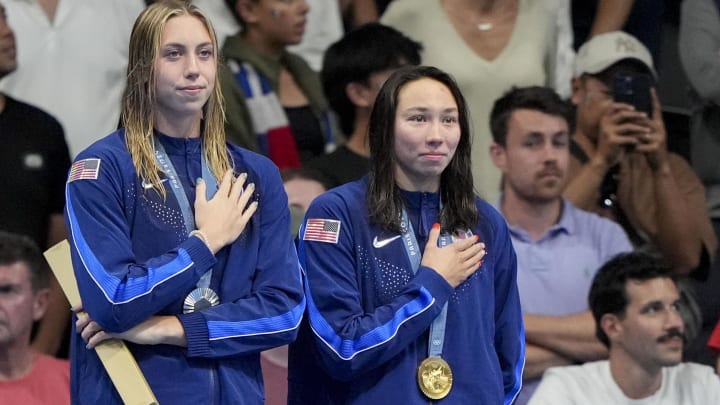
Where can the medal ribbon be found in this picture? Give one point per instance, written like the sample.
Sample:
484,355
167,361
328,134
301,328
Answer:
179,193
412,248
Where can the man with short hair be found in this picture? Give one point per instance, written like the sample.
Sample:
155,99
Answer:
634,300
621,167
26,376
559,247
354,69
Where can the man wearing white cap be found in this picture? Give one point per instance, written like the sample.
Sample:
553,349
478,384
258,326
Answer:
621,166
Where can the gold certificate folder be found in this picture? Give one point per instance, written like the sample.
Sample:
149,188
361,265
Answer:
115,356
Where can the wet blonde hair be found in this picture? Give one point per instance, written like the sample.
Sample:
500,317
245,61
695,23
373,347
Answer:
139,96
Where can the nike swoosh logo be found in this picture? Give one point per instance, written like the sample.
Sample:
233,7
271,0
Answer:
384,242
147,186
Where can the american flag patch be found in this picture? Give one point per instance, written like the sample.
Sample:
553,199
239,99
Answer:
322,230
86,169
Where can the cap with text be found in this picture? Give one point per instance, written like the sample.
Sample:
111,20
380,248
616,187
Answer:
604,50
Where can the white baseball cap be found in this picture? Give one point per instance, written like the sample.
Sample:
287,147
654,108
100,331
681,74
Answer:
604,50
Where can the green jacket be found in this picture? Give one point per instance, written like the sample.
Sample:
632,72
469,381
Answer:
238,123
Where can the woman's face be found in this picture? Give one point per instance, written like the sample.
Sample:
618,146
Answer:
185,68
427,132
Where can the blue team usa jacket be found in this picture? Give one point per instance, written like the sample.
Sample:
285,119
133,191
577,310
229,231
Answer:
366,329
133,259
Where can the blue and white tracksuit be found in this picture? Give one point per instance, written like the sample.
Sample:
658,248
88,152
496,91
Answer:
368,314
133,259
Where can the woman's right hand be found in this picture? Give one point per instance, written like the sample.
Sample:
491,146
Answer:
90,331
455,262
152,331
223,218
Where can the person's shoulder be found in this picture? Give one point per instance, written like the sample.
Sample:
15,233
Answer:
491,226
588,383
51,364
488,212
684,174
29,110
296,61
51,361
588,371
351,195
590,221
246,159
678,162
688,371
232,44
701,382
352,189
31,115
53,372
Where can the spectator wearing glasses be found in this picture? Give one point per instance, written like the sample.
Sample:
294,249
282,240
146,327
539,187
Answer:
621,167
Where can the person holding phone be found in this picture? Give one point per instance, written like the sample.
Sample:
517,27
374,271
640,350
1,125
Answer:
621,167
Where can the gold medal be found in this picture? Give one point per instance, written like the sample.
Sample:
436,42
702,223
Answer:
434,377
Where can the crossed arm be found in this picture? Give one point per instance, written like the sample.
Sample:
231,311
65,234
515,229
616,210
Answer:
559,341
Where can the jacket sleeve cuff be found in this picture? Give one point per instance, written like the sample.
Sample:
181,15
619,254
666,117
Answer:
200,254
196,333
435,283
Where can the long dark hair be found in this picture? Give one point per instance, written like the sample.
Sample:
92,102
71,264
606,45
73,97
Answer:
384,199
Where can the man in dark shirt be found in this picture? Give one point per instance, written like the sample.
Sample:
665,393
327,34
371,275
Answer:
354,69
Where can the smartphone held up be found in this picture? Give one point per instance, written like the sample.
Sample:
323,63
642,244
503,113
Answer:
634,89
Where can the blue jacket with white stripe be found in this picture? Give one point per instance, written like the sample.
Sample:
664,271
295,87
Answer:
368,314
133,259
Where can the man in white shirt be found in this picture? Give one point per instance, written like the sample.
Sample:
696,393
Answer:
72,57
634,300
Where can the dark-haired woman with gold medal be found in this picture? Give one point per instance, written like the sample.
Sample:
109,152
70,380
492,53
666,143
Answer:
411,291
